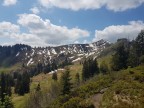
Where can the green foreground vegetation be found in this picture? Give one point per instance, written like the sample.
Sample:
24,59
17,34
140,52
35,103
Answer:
122,89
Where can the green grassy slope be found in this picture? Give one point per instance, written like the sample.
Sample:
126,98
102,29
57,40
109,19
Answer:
45,81
123,89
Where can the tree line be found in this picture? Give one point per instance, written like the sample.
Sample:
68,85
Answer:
131,54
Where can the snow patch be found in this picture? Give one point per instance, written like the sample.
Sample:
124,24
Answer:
48,52
91,53
61,69
91,45
71,57
77,59
39,53
52,72
56,71
75,49
30,62
62,52
80,54
33,52
53,51
17,54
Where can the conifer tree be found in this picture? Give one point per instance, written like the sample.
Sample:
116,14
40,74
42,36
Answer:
22,85
120,58
133,59
26,82
2,87
77,78
19,85
140,43
54,76
54,65
8,102
103,67
66,82
38,87
90,68
95,67
85,71
5,86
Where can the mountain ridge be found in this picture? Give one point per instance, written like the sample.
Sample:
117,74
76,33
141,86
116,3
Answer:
28,55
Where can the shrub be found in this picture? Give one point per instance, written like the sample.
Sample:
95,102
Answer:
131,72
86,104
72,103
139,78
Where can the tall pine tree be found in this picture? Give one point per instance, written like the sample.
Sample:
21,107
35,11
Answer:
90,68
103,67
66,82
85,71
54,76
133,59
77,78
120,58
140,43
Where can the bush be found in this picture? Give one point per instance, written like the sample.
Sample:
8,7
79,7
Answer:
86,104
73,103
131,72
139,78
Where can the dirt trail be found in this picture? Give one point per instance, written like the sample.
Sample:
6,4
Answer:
98,97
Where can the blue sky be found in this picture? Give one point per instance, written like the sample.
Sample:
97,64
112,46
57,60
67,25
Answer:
56,22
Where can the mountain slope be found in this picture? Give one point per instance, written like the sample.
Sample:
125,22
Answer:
27,55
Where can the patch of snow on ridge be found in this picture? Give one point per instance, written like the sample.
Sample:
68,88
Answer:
91,53
17,54
77,59
62,52
71,57
39,53
52,72
48,52
61,69
30,62
33,52
75,49
56,71
64,48
91,45
53,51
80,54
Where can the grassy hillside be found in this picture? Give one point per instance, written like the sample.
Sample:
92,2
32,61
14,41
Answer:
122,89
10,68
45,81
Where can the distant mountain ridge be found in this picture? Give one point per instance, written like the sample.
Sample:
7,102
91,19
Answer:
24,54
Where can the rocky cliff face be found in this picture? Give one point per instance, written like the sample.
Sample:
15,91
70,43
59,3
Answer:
10,55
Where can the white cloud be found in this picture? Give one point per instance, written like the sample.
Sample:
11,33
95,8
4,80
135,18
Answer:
10,34
35,10
76,42
48,32
8,29
9,2
114,32
40,32
115,5
85,42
